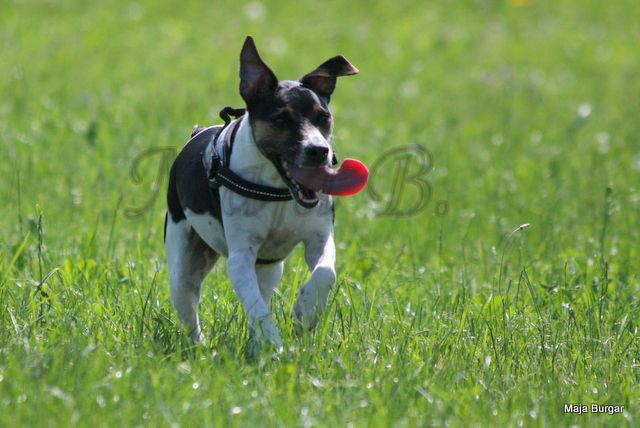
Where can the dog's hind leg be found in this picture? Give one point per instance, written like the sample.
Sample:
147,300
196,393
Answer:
190,260
269,277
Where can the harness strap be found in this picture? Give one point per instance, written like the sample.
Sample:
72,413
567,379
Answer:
221,175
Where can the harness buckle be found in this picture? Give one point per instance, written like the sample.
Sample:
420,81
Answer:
216,164
214,183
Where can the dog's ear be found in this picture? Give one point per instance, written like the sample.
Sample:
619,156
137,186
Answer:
322,80
256,79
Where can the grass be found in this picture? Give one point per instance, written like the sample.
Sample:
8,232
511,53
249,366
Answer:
528,109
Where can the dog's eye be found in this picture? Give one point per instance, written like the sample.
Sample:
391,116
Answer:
281,119
323,118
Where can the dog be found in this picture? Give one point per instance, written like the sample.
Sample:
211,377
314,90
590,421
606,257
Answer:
252,191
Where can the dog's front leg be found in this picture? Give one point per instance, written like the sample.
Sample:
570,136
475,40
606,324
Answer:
241,267
320,255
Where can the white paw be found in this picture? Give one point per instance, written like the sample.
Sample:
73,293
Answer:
198,337
307,310
265,330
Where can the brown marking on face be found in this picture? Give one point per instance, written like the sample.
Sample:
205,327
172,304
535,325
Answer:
318,109
322,119
270,137
288,109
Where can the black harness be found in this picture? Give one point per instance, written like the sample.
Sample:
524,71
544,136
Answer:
220,173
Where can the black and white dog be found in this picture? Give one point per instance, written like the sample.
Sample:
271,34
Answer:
254,204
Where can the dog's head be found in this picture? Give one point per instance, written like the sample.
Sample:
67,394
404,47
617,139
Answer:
290,120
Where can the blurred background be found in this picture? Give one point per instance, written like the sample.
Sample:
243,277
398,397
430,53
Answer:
524,105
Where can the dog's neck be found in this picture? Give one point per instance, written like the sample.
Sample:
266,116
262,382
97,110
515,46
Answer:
248,161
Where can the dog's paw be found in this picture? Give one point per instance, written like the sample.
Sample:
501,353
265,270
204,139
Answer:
198,338
305,317
264,334
310,304
194,334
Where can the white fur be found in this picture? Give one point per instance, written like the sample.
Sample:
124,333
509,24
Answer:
209,229
188,265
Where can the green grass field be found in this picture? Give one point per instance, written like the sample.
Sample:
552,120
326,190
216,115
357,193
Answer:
451,316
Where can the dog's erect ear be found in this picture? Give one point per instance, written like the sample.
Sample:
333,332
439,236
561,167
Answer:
256,79
322,80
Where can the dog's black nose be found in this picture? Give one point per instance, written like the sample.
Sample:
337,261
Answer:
317,153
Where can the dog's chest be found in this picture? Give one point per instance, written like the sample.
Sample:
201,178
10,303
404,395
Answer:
278,227
279,242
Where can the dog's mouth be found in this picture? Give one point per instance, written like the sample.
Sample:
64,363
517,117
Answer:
306,183
303,195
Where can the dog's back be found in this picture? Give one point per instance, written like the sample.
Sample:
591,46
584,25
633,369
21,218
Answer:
188,184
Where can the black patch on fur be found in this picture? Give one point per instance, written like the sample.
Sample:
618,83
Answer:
188,181
173,202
